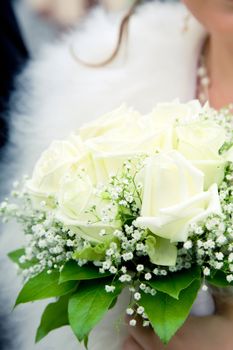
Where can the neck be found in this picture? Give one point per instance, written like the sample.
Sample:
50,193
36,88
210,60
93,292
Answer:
219,59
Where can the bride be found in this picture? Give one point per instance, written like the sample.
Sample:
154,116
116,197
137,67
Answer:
168,54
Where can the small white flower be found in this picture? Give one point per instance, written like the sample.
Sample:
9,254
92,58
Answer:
147,290
124,269
148,276
204,288
230,257
130,311
163,272
206,271
132,323
113,245
110,289
219,255
110,252
127,256
140,268
106,265
22,259
229,278
118,233
140,310
146,323
221,239
137,296
188,245
125,278
153,292
156,271
113,269
218,265
142,286
140,247
137,235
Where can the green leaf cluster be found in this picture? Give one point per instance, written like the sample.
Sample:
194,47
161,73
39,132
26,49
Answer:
168,309
81,299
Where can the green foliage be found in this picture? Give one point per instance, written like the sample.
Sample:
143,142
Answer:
175,282
168,314
94,253
73,272
89,305
44,286
161,251
219,280
16,255
54,316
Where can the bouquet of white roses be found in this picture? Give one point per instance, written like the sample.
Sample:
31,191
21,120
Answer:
129,201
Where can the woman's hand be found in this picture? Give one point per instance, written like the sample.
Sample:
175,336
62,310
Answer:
198,333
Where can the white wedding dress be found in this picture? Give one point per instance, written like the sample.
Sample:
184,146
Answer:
56,95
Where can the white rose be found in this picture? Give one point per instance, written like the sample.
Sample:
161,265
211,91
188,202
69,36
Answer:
109,123
119,136
166,114
229,155
52,165
200,142
174,196
83,210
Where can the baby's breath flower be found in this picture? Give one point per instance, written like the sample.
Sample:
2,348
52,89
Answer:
110,289
140,310
148,276
229,278
140,268
137,296
146,323
129,311
132,323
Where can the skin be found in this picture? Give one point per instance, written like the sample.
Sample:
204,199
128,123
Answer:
217,17
212,332
204,333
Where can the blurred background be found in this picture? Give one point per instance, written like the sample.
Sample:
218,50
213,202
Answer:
26,25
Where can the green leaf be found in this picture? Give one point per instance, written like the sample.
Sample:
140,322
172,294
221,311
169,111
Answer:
174,283
219,280
44,286
16,255
54,316
73,272
86,339
97,252
161,251
91,253
167,314
88,306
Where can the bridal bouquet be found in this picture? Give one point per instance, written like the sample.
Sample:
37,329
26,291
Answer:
128,201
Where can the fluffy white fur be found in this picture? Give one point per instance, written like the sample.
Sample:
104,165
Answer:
56,95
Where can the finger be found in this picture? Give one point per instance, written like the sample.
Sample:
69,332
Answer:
145,336
131,344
